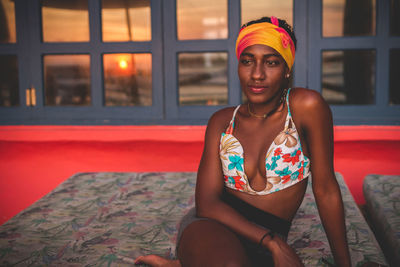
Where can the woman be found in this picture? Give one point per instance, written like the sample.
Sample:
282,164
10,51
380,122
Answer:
256,162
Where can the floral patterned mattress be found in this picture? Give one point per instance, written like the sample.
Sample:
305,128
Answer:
107,219
382,195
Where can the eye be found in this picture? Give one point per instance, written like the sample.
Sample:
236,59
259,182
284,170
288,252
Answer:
245,61
272,63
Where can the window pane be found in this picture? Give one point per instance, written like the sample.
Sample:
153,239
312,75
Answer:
252,10
127,79
65,21
395,17
202,19
9,95
67,80
7,22
348,17
203,79
124,21
394,77
348,77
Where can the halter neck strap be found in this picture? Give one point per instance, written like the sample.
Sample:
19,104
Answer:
232,122
289,116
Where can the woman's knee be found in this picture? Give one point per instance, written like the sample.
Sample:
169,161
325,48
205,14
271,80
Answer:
209,243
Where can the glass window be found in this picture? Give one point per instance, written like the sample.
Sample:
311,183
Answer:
348,77
348,17
67,80
124,21
9,95
394,77
395,17
65,21
252,10
127,79
203,79
202,19
7,22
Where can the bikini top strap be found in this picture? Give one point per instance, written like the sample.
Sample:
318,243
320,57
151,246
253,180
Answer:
289,116
232,122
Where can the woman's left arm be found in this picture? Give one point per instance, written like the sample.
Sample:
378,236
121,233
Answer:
315,119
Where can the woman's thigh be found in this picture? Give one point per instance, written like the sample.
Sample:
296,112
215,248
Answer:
209,243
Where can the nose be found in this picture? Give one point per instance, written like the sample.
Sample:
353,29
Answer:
258,72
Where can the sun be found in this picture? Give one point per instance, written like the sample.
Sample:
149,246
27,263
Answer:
123,64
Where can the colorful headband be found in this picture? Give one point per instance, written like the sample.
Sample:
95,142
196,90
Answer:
269,34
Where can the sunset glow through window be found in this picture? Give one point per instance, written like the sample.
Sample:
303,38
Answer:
123,64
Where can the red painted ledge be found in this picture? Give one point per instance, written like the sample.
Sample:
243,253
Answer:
102,133
367,133
166,133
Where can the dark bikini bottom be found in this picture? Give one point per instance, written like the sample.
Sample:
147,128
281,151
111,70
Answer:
259,257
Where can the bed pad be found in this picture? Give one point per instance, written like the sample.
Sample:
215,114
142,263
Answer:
106,219
382,196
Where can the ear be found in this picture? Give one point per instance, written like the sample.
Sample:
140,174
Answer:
287,72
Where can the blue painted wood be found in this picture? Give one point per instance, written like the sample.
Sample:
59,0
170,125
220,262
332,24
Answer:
169,60
164,48
36,56
234,16
382,57
380,112
300,68
158,109
6,49
314,49
20,50
96,92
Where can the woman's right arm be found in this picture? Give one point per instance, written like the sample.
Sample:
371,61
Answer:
209,189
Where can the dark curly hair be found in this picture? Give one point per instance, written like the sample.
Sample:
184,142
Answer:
282,23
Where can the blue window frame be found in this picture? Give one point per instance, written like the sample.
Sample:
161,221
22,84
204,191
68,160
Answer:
380,112
165,49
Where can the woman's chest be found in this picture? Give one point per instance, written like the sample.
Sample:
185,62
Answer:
256,142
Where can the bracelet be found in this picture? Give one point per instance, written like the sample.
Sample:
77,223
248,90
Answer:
269,233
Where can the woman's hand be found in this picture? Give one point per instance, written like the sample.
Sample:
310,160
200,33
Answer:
282,253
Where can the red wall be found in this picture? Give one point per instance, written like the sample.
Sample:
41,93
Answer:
35,159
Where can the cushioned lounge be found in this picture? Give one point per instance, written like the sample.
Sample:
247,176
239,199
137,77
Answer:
109,218
382,196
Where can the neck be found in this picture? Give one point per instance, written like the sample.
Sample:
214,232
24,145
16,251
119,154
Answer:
264,110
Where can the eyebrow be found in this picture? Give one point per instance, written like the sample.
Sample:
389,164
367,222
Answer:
266,55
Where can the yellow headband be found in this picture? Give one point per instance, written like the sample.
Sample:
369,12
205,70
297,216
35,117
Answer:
267,34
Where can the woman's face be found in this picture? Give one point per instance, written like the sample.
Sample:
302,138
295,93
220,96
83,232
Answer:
262,73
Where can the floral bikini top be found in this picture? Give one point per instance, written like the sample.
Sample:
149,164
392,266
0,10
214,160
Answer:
285,162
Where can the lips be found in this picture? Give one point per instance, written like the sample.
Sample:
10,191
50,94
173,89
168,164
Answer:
256,89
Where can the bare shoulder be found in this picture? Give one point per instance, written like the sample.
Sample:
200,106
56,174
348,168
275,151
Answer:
219,121
308,106
306,100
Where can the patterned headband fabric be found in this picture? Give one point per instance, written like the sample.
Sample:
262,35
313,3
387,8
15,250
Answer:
269,34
